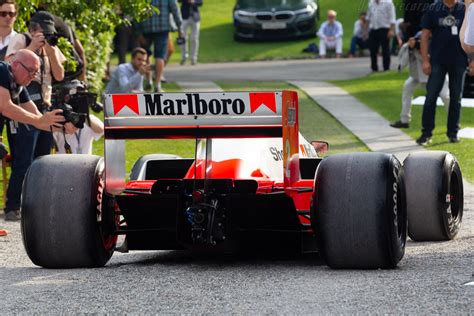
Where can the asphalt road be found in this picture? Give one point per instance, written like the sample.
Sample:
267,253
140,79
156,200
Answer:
287,70
432,277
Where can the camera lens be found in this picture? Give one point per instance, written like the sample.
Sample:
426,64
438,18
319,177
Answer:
52,39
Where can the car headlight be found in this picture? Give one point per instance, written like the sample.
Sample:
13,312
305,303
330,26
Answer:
308,11
243,15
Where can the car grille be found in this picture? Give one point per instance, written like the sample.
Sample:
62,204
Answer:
279,16
283,16
264,16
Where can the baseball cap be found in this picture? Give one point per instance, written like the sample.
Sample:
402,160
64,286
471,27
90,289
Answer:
45,20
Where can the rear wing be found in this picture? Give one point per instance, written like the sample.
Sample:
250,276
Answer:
198,115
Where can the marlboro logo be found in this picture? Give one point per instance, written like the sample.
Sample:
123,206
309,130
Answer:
192,105
125,100
195,104
265,99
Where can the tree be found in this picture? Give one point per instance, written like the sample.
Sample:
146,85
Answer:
94,22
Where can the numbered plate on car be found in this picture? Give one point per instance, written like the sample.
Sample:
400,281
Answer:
273,25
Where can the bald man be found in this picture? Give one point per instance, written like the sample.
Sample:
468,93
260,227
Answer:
15,102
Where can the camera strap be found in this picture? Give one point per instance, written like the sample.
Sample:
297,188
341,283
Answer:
67,147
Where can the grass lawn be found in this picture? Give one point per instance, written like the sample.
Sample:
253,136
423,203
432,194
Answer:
383,91
217,43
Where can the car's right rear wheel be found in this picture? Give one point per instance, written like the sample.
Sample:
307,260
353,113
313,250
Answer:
358,212
435,198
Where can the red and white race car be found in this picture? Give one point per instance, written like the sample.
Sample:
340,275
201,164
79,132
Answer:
253,183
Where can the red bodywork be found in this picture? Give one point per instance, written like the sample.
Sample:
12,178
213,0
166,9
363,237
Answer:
260,201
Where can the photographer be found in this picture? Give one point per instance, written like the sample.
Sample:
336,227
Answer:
26,141
79,140
410,56
128,78
16,104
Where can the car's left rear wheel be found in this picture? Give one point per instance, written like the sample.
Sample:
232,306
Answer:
63,214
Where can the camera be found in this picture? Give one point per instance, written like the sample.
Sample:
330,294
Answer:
180,41
51,38
76,118
72,97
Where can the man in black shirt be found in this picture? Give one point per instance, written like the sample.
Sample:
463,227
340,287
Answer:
15,102
444,55
412,14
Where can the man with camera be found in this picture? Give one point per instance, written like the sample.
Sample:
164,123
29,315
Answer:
16,104
128,78
27,142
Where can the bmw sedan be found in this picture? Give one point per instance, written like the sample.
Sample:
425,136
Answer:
275,19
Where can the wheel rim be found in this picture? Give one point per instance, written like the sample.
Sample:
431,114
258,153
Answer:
453,210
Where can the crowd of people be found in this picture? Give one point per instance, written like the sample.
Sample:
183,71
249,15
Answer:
155,31
428,42
31,62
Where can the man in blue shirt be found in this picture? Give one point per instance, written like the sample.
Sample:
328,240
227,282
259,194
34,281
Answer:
128,78
442,23
330,34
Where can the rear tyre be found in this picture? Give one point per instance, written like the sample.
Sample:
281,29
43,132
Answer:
62,212
434,195
357,211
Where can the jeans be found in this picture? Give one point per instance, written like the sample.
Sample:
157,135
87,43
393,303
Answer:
433,87
379,38
357,41
27,144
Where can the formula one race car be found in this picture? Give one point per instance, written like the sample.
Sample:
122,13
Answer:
254,183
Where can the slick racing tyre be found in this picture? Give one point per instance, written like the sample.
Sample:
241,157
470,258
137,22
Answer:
357,211
62,212
434,195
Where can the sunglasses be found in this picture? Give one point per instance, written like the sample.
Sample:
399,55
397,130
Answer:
32,73
5,14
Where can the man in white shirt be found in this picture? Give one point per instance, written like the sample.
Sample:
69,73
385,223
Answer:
381,16
8,13
467,34
80,140
128,78
330,34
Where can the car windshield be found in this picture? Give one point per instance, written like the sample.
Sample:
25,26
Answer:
270,3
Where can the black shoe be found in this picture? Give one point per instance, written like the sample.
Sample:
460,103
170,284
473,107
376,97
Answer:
423,140
454,139
12,216
400,124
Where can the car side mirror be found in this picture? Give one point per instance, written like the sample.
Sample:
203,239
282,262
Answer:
321,147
